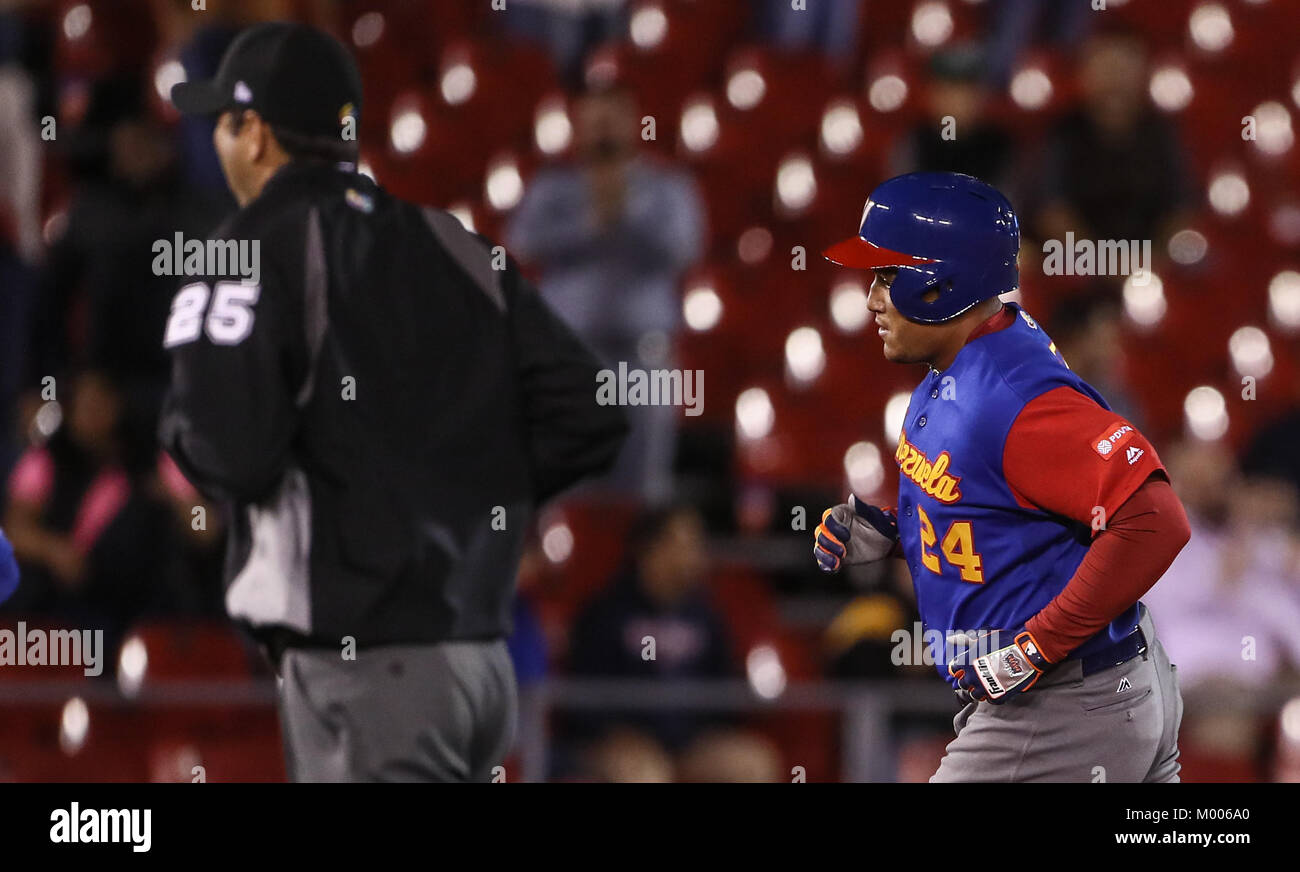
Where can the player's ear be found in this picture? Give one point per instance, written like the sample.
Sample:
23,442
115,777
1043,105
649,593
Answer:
259,136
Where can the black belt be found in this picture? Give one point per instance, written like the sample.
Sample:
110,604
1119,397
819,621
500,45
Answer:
1124,650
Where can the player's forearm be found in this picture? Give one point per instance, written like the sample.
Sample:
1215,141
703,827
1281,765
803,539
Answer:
1124,562
220,464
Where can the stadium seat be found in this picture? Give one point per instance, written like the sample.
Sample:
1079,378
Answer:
94,38
596,531
180,651
254,754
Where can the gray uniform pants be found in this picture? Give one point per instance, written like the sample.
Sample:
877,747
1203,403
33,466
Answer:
1120,724
439,712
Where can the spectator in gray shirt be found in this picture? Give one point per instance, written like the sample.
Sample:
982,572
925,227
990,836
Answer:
612,234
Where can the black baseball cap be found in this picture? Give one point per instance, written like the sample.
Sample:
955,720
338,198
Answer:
292,75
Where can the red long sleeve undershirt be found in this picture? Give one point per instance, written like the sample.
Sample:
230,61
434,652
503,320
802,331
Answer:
1124,562
1067,455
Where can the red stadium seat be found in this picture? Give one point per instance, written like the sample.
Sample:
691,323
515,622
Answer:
424,158
489,88
254,755
597,529
97,37
182,651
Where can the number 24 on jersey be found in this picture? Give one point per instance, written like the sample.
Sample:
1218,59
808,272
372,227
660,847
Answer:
957,547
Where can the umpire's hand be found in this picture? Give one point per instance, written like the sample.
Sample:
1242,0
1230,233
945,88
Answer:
854,532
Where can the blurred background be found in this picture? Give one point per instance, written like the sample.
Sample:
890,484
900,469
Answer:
720,145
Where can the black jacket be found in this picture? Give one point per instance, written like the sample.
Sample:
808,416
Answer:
381,415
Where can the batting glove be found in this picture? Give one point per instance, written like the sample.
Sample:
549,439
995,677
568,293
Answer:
996,665
853,533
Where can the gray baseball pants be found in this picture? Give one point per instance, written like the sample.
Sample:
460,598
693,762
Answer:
442,712
1120,724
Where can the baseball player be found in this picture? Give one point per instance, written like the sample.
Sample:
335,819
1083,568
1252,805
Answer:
1031,516
380,408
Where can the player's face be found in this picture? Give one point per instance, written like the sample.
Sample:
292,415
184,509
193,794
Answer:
905,341
236,142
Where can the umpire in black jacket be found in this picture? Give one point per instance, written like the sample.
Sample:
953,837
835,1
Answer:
381,400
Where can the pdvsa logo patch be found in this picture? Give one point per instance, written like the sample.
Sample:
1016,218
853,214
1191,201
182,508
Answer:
1114,438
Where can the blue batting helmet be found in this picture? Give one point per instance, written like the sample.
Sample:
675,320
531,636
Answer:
947,233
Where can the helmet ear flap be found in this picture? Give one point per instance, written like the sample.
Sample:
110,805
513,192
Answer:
937,290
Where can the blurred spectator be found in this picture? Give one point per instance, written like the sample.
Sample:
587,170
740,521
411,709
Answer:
1228,607
659,607
720,757
628,757
975,144
730,757
101,303
20,219
63,494
1272,452
612,236
858,642
657,621
17,287
98,539
661,604
1237,578
827,26
20,151
1114,166
568,28
1017,25
1087,330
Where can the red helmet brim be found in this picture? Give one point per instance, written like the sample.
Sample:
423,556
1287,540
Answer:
856,252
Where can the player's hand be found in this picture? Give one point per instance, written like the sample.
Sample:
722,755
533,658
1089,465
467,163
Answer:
996,665
853,533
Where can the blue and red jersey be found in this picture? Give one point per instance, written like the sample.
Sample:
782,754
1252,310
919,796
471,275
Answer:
1009,464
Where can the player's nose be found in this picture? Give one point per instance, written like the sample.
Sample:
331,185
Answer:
876,298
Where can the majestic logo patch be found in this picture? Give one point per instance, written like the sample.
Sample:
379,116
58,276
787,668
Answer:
1123,685
1114,437
933,478
1134,454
